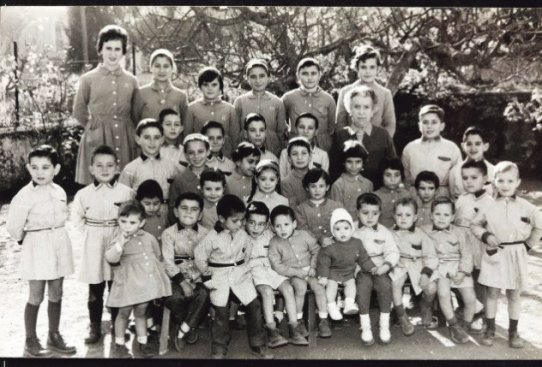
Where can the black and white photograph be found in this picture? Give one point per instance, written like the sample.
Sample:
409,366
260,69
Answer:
267,182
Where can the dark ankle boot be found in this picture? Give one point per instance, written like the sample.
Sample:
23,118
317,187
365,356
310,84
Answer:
295,336
56,343
94,334
274,339
33,348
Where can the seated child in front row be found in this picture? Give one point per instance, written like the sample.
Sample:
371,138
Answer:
137,280
213,187
299,157
314,214
337,264
255,129
172,148
222,257
36,220
293,254
454,269
393,175
189,301
265,185
418,262
474,145
149,194
214,131
246,156
351,184
266,279
306,125
431,151
507,226
381,247
149,165
426,184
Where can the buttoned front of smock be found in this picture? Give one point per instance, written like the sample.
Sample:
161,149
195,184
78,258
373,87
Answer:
94,212
316,217
103,106
223,248
156,223
222,163
239,185
175,154
298,251
270,200
380,245
338,261
37,216
292,187
152,99
210,215
346,190
424,212
389,197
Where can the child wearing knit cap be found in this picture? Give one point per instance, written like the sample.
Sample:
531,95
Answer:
336,263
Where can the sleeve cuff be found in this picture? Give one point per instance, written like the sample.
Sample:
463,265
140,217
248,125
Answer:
427,271
485,236
205,278
177,278
118,247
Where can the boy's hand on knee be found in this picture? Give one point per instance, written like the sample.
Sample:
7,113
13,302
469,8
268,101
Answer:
383,269
322,281
458,278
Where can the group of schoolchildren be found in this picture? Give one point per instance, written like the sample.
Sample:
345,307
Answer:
263,200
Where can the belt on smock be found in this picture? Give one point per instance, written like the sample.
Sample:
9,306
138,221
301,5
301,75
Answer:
178,259
43,229
225,265
101,223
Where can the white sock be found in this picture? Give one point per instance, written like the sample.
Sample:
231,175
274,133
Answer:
119,341
142,339
183,330
150,323
279,315
322,315
299,315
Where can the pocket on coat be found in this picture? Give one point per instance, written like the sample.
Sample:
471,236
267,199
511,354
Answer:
94,135
492,257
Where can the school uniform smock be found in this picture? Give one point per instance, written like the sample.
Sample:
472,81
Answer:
260,266
438,155
321,104
225,257
94,212
380,245
175,154
338,261
201,111
239,185
346,190
141,276
209,216
156,223
145,168
271,200
299,251
389,198
153,99
315,218
319,159
377,142
455,181
104,107
513,221
453,252
424,212
292,187
466,208
36,218
272,109
178,243
221,162
383,110
417,255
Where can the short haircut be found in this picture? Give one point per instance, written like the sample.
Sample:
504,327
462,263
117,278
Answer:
166,112
392,164
281,210
112,32
251,117
298,141
314,175
364,53
431,108
208,74
442,200
307,115
189,196
103,150
368,198
353,149
306,62
506,166
208,125
212,175
479,165
148,123
196,137
229,205
427,176
162,52
45,151
362,91
406,202
132,207
243,150
253,63
257,207
149,189
474,130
